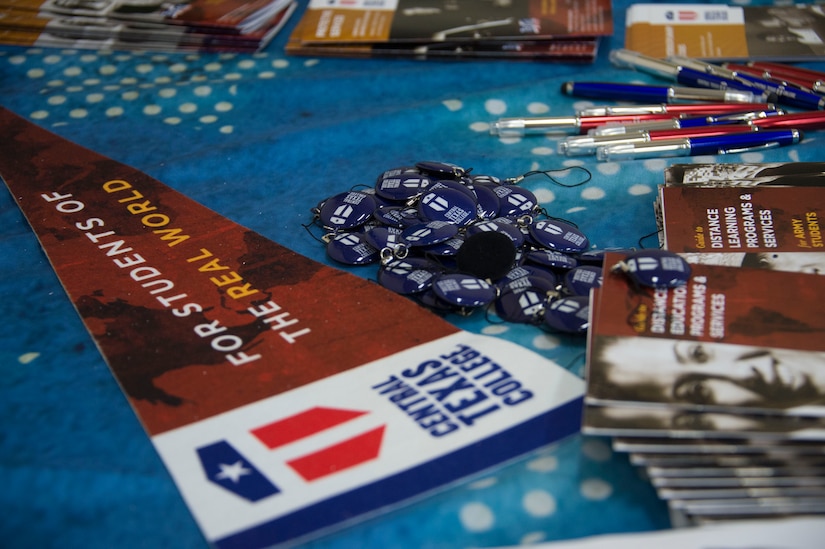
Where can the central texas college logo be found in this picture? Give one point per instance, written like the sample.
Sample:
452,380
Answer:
229,469
682,15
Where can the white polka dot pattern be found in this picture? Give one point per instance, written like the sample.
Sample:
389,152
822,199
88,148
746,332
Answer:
173,90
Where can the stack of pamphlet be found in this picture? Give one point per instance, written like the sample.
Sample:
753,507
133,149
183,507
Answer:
713,31
156,25
524,29
717,387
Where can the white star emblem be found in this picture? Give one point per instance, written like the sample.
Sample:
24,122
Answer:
232,472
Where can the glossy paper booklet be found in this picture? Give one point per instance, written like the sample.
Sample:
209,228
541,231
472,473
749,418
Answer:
733,339
225,25
727,32
524,29
748,174
763,226
285,397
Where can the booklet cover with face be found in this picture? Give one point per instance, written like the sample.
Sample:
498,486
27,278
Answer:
731,339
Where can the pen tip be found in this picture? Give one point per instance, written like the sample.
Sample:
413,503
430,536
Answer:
567,88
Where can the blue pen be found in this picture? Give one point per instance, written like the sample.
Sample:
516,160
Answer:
655,94
786,95
702,79
685,75
693,146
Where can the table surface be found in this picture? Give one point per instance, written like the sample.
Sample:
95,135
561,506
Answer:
262,139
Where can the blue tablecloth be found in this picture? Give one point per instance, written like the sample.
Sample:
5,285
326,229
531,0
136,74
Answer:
262,139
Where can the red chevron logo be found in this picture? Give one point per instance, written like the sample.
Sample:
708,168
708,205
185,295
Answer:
326,461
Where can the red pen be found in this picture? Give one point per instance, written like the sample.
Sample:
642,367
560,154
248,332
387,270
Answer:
808,120
590,122
815,79
691,109
682,122
784,79
789,69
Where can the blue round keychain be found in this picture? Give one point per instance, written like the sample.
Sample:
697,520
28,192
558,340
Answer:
346,210
521,271
654,268
385,237
524,299
445,204
515,201
441,169
499,225
558,235
448,248
464,290
351,249
582,279
487,201
396,216
552,259
569,314
407,276
403,186
428,233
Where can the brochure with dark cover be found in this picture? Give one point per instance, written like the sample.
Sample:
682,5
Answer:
382,21
797,174
519,50
731,339
568,30
226,25
731,219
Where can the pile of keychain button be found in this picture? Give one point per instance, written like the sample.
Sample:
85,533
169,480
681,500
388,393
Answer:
456,242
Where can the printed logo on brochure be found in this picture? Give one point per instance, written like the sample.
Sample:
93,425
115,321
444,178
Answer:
682,15
225,466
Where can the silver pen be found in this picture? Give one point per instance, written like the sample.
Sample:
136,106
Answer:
579,145
517,127
682,123
632,60
692,146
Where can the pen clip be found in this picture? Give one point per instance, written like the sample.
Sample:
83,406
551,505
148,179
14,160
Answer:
644,63
738,150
